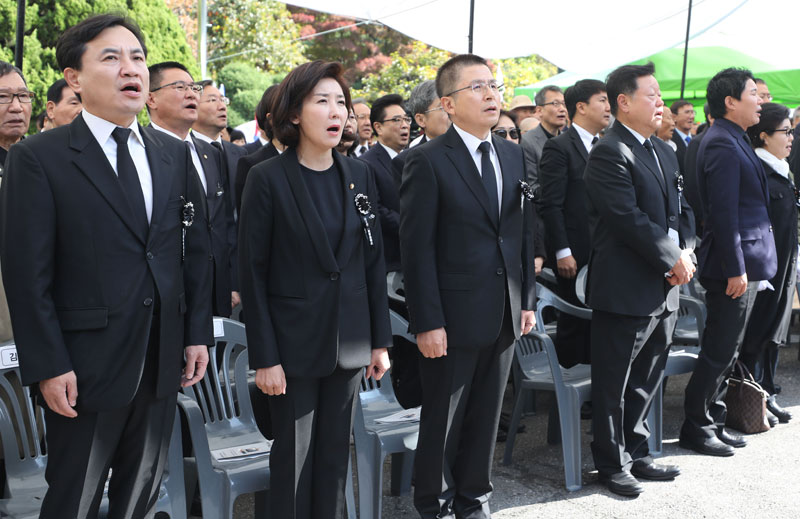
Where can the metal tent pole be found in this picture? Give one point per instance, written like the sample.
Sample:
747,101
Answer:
686,48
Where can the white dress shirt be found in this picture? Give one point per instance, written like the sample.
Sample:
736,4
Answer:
101,130
472,144
390,151
198,166
206,138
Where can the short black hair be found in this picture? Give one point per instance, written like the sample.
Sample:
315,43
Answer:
40,119
759,81
7,68
236,135
728,82
539,99
677,105
157,72
378,110
56,91
204,83
772,115
624,80
448,74
263,108
422,96
581,92
72,43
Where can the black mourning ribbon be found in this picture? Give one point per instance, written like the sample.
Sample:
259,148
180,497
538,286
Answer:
220,190
488,177
129,179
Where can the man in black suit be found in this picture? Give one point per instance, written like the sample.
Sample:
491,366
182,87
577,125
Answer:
15,110
392,126
691,190
737,251
363,126
635,266
425,106
465,235
102,298
172,105
683,115
564,206
272,149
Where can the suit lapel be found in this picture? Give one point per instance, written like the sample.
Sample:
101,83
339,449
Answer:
670,177
511,188
92,162
313,223
578,143
348,241
383,157
642,154
460,156
161,173
762,175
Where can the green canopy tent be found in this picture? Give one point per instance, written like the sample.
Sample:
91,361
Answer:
703,63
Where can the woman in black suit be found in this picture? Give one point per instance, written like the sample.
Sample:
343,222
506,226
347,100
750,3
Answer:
314,286
769,324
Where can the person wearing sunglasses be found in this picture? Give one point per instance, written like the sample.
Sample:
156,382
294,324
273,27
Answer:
15,107
769,323
506,127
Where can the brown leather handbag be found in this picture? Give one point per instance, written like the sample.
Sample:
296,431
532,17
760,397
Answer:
746,402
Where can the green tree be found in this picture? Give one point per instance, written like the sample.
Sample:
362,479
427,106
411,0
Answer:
259,32
244,85
520,72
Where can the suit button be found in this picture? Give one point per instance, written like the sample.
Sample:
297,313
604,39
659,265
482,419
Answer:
672,218
149,255
148,301
770,228
499,272
210,227
334,276
499,239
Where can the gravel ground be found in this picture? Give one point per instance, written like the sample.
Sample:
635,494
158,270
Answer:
760,481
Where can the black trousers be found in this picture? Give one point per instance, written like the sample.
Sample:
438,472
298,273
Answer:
462,393
628,359
312,424
726,322
573,344
132,441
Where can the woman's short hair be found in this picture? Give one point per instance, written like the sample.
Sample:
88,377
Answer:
772,115
294,89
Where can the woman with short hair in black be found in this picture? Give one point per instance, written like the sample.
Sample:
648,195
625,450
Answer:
314,286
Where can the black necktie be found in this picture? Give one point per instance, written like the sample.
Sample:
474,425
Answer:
649,147
129,179
488,177
223,168
362,150
594,140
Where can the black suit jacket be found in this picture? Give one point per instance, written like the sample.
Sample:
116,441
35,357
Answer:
561,170
631,206
459,262
243,169
233,154
399,162
691,190
680,150
82,284
252,147
310,306
388,204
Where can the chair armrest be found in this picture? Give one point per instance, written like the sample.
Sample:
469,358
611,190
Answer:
197,432
697,309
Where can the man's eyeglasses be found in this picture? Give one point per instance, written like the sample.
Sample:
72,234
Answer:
397,119
478,86
433,110
361,117
503,133
788,131
6,98
181,86
556,104
215,99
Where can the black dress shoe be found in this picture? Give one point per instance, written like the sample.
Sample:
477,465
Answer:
707,446
653,471
772,419
622,483
734,440
783,415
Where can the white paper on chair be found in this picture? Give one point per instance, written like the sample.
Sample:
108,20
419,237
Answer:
240,452
404,416
219,328
8,357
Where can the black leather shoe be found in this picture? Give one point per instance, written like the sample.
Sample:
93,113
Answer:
772,419
783,415
734,440
622,483
653,471
707,446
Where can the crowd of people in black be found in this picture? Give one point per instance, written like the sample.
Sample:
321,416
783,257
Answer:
119,242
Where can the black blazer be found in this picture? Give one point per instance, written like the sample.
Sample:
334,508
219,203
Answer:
82,284
691,190
310,306
631,206
388,204
252,147
222,229
561,170
243,168
459,263
399,162
233,154
680,150
737,233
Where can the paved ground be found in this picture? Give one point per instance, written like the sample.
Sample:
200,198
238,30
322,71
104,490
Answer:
761,480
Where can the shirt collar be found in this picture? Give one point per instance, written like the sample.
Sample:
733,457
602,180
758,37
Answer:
390,151
188,137
471,141
636,134
682,135
585,136
101,129
206,138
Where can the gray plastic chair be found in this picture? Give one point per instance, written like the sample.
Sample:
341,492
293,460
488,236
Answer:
374,441
21,427
691,321
537,368
547,274
679,361
219,415
394,285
